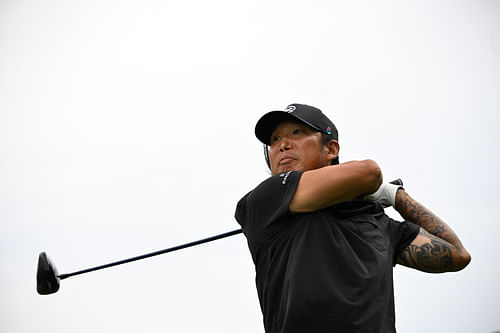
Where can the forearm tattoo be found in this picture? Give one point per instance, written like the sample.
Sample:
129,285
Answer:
434,256
413,211
439,250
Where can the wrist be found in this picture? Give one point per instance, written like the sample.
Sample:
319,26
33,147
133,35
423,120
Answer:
398,200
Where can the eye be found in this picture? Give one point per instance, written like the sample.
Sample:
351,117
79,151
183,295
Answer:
275,139
298,131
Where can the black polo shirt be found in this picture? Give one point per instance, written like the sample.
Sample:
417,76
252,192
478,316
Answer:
325,271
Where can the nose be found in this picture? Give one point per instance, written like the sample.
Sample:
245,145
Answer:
285,144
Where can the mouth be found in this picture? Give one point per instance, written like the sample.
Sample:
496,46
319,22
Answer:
287,160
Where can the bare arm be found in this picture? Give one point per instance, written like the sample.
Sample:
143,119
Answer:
333,184
437,248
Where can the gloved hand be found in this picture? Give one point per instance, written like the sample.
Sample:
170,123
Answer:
386,194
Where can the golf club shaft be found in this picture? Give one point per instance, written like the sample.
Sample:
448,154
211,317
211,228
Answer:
175,248
152,254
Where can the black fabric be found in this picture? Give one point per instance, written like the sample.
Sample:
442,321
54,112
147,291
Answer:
326,271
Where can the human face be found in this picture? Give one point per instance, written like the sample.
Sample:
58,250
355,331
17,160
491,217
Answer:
298,147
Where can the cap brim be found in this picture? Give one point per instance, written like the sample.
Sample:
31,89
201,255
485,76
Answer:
268,122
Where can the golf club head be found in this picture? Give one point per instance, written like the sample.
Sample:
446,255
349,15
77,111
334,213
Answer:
47,281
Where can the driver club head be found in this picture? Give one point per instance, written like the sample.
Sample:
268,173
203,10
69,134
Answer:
47,281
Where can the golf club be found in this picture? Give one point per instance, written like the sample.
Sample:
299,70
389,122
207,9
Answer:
48,279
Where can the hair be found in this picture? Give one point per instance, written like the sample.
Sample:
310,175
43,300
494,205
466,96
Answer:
324,139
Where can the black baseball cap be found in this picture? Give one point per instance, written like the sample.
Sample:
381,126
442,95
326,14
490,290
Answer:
306,114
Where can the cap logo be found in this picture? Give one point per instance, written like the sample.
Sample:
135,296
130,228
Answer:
290,108
328,130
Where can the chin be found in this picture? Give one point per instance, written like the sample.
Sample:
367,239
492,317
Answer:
286,168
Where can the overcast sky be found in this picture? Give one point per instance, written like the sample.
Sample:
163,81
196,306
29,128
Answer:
127,127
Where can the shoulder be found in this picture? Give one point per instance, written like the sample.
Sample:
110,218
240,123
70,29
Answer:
270,199
274,185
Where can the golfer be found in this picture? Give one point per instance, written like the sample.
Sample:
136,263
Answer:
323,248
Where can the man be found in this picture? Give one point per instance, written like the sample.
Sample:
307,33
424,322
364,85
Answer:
322,245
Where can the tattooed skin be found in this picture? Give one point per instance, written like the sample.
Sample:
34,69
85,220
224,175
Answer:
433,257
413,211
437,248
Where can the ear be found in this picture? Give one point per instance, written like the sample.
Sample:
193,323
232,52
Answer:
333,150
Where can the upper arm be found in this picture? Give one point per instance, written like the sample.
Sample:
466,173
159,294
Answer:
334,184
429,253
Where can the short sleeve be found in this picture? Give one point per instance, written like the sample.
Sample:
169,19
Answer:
403,234
259,211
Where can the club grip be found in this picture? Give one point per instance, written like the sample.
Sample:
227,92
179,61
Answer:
397,182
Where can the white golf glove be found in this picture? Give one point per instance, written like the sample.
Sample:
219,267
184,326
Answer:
385,195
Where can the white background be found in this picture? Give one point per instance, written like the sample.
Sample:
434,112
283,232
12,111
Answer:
127,127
